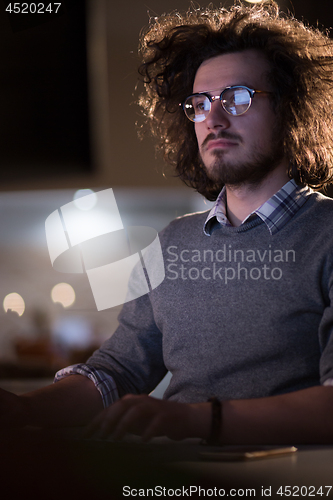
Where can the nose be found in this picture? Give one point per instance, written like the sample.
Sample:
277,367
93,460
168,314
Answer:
217,117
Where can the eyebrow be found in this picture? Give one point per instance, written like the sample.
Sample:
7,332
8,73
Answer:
220,90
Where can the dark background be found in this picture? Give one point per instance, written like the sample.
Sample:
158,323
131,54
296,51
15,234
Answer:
44,126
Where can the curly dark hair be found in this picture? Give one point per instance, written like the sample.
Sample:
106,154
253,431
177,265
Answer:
173,47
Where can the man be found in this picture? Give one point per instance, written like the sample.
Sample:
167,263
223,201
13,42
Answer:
244,313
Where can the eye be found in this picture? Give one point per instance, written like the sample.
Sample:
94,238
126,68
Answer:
236,101
197,107
200,104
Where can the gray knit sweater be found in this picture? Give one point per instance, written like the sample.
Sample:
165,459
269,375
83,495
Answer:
240,313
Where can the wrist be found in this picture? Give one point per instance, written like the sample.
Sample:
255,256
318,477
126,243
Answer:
201,418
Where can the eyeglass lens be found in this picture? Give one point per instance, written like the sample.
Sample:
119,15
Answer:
235,101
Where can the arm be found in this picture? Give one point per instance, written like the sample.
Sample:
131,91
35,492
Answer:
298,417
72,401
76,400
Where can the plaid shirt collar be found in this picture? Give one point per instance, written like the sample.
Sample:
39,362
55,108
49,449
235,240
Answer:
275,212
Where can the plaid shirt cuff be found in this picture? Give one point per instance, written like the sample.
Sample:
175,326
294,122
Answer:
104,383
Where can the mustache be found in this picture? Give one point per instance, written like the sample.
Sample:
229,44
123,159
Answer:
223,134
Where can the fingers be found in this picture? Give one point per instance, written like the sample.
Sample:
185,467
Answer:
153,429
126,415
134,420
143,415
104,420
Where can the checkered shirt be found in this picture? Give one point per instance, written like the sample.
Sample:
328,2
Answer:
104,383
275,212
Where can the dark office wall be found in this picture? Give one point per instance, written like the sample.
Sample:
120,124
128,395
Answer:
44,126
318,13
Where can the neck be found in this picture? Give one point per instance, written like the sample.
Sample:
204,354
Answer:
243,200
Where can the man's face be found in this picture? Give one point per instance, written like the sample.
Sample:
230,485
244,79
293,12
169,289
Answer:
237,149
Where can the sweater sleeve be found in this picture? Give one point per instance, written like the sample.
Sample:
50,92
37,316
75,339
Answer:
133,354
326,334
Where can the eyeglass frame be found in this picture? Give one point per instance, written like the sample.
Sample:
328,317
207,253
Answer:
215,97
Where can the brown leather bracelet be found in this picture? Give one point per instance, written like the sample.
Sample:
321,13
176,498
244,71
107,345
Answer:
214,438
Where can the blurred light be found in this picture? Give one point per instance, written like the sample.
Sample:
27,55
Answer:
14,302
255,1
72,332
85,199
82,225
64,294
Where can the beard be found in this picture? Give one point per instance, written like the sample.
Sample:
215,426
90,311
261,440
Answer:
251,172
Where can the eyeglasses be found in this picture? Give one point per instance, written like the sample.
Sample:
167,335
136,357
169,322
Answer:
234,100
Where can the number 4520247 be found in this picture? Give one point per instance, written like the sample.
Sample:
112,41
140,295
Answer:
33,8
303,491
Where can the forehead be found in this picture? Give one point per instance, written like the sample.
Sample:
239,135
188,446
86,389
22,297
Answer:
248,67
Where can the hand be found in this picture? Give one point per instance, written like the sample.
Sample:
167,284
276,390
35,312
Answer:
150,417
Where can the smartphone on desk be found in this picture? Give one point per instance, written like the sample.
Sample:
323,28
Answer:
227,454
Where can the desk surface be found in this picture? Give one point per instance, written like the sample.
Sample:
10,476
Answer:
49,464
